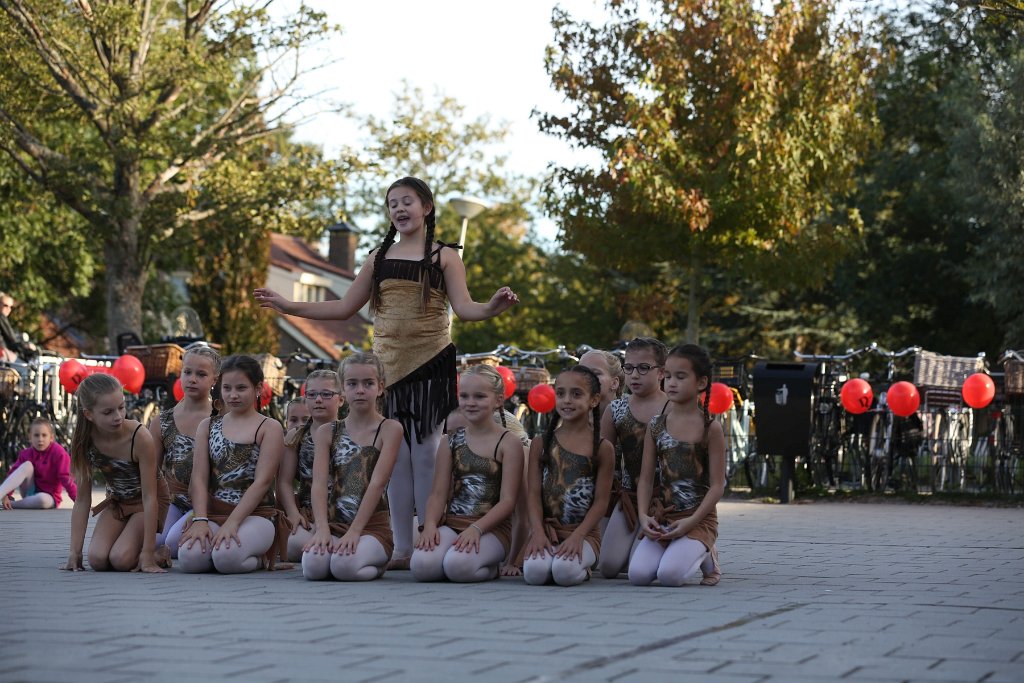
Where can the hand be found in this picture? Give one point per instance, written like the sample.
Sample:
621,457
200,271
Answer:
347,544
268,298
677,529
228,531
321,542
74,563
538,545
197,531
468,540
502,300
649,527
7,503
429,538
147,564
296,520
571,548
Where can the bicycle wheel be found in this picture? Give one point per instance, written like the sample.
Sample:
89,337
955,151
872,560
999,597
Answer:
821,472
853,459
878,451
943,463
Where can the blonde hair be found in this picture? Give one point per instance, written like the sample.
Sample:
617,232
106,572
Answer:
614,369
325,374
496,383
206,352
299,434
43,421
365,358
87,396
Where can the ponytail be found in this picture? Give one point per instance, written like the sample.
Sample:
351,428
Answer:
378,259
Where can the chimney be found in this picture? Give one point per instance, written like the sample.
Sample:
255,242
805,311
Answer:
342,243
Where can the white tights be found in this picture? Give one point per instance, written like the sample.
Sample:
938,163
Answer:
366,564
297,540
23,478
538,571
174,525
444,561
409,488
618,544
671,565
256,535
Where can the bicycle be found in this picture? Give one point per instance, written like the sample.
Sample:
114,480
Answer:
35,393
948,424
838,439
893,441
1007,449
738,424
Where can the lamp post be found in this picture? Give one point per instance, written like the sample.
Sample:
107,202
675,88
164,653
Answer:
467,207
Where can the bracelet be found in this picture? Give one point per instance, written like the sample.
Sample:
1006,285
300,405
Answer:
200,519
478,529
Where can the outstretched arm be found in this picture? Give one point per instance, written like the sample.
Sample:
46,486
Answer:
458,292
339,309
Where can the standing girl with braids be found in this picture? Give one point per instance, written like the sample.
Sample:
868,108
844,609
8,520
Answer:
624,424
124,538
409,284
174,434
322,399
680,524
468,530
569,480
233,526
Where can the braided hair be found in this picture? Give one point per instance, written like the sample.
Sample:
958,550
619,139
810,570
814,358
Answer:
496,383
700,360
595,390
427,197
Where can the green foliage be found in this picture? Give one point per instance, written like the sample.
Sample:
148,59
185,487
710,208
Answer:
729,136
121,110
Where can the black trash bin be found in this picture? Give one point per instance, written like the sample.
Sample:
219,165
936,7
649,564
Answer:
783,402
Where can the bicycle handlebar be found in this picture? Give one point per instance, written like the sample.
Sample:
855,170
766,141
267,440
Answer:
850,353
1010,354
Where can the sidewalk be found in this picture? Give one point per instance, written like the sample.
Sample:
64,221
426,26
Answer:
812,592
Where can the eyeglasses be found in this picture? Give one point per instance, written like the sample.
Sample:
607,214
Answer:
643,368
325,395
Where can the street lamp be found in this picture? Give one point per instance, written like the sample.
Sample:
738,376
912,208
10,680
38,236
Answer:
467,207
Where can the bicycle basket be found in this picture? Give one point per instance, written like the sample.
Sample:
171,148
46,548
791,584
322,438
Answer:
944,372
1014,377
273,372
731,375
159,360
529,377
10,382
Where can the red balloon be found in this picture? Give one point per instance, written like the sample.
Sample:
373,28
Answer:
71,374
265,395
978,390
131,372
721,398
302,390
541,398
178,390
856,396
509,378
903,399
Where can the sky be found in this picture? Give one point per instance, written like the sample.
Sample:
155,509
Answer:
489,56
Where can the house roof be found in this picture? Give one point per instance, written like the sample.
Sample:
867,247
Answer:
292,253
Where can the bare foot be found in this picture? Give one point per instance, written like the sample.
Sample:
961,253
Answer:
510,570
398,564
162,555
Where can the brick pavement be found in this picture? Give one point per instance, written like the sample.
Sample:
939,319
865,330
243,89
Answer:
811,592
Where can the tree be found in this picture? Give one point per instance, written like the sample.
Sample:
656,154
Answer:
121,110
729,136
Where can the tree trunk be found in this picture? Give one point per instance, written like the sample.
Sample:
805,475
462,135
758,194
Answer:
693,305
125,281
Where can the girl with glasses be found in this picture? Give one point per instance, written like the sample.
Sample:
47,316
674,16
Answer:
295,479
624,424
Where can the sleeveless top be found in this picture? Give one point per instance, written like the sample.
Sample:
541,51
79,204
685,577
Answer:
477,480
123,478
414,344
630,433
567,484
351,468
304,468
177,463
685,474
233,466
